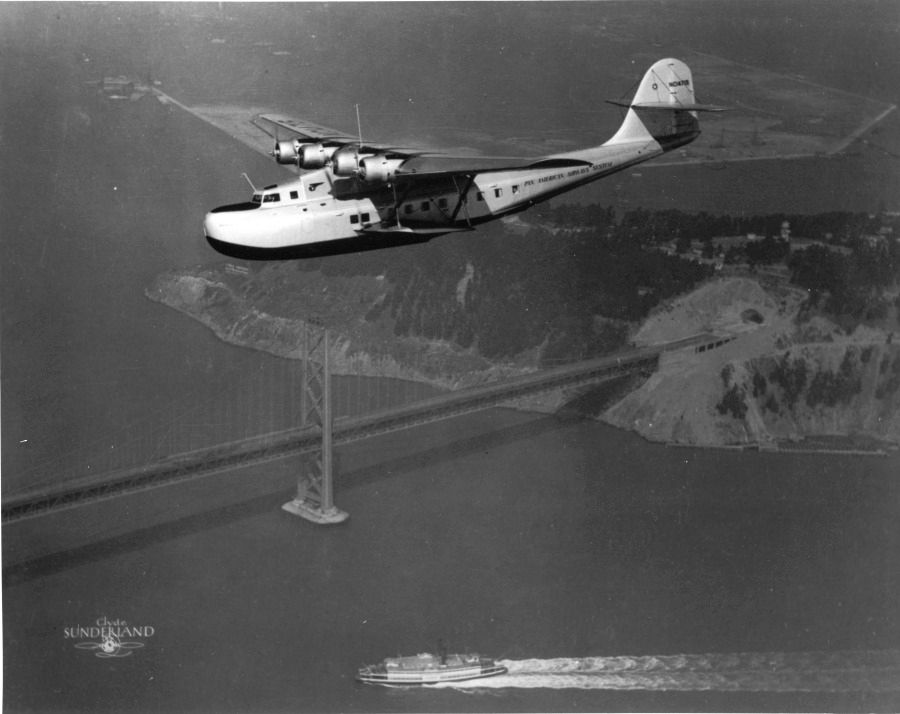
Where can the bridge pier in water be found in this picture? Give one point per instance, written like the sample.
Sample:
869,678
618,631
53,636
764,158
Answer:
315,493
314,489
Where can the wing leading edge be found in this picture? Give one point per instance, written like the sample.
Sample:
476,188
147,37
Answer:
284,127
416,162
278,126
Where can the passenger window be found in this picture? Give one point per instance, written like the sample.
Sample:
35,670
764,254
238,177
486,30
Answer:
271,198
442,202
498,192
408,208
480,196
294,194
354,219
365,217
424,205
515,188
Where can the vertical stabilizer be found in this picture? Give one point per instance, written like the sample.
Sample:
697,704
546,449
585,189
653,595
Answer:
663,108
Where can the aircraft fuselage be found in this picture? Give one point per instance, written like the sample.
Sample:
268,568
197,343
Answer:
319,207
358,195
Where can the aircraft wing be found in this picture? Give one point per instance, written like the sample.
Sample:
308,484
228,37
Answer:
417,161
284,127
432,164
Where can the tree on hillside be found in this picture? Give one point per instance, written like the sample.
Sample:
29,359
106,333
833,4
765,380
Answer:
818,268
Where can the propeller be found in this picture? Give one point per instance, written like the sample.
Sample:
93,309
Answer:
278,151
274,152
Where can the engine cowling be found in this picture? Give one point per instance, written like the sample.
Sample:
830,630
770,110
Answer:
315,156
346,160
287,151
379,168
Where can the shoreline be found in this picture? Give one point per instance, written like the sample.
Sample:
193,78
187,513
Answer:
239,323
782,449
209,297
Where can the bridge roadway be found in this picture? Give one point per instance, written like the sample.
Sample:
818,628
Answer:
268,447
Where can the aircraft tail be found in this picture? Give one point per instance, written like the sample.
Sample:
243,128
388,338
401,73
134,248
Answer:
663,108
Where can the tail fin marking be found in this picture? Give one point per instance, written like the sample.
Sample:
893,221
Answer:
663,108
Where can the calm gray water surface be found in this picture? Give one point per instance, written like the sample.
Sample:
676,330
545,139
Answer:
518,536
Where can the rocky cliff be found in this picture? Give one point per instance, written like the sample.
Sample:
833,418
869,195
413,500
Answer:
772,381
242,311
768,380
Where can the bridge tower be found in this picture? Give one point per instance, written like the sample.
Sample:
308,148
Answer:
314,500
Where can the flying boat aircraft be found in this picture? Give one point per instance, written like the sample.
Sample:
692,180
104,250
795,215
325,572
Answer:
352,195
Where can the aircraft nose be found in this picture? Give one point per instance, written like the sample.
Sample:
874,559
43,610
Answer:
222,226
211,226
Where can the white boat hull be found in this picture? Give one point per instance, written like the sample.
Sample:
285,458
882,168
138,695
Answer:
398,677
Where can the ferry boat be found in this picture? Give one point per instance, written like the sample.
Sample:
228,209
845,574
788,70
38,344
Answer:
429,669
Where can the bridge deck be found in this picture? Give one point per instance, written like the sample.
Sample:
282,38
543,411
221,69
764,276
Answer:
277,445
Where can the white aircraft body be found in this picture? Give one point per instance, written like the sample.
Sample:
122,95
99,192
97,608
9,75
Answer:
355,195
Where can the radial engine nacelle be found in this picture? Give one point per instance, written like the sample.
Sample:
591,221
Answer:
315,156
346,160
378,168
306,156
287,151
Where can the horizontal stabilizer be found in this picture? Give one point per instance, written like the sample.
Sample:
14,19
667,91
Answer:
670,107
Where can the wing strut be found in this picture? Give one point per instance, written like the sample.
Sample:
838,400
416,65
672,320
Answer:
399,198
463,201
396,204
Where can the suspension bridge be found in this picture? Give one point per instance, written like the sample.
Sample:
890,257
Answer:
310,429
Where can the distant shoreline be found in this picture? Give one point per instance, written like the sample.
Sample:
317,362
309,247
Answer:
787,449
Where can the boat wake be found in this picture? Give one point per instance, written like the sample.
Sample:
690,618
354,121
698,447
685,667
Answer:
870,671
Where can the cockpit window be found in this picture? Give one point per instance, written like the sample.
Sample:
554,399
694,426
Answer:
257,198
271,197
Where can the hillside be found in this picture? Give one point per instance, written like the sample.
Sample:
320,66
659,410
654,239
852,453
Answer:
812,357
775,381
455,312
267,315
